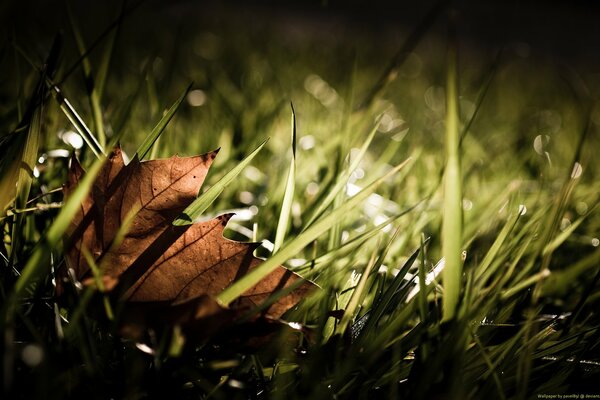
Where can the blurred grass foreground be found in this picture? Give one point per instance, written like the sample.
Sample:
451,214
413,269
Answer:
471,271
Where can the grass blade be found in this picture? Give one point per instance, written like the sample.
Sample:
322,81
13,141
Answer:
77,121
288,197
343,178
452,208
197,208
146,145
38,259
91,88
356,295
299,242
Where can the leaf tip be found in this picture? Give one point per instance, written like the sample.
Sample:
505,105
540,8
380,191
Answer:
224,218
213,154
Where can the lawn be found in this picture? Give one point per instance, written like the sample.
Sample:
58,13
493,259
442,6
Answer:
428,172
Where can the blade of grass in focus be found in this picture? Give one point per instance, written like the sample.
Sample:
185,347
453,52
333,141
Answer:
198,206
149,141
342,179
288,197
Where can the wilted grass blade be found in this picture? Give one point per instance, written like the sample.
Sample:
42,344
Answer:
288,197
197,208
146,145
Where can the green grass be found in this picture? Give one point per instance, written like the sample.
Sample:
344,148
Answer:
445,205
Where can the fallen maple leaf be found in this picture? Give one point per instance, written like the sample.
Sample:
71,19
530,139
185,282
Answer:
164,273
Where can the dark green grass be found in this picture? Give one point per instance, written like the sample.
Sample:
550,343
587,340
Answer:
521,317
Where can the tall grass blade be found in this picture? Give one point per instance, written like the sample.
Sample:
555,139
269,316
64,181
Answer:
288,197
342,179
68,109
147,144
126,12
452,208
77,121
356,295
19,149
106,59
93,95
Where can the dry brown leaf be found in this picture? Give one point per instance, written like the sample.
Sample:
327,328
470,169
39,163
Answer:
159,266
